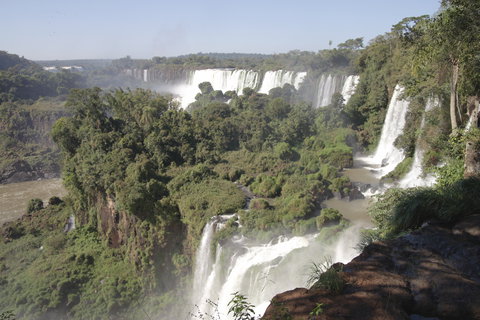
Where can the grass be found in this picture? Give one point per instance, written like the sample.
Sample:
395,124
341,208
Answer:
402,210
325,276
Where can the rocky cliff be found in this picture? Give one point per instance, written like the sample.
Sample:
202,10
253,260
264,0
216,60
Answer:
432,273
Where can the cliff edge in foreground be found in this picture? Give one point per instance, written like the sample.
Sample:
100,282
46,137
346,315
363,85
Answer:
431,273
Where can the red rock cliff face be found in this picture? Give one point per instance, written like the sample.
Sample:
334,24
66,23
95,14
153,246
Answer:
433,272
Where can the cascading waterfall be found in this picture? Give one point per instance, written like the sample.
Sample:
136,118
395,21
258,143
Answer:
220,79
349,87
327,85
235,80
262,270
145,75
414,177
387,156
274,79
474,114
203,264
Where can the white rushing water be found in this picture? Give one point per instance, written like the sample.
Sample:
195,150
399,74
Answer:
415,177
235,80
474,114
260,271
349,87
274,79
327,85
387,156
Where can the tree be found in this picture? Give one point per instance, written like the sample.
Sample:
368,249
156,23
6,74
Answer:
452,39
352,44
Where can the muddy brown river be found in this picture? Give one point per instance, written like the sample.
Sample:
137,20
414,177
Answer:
356,210
14,197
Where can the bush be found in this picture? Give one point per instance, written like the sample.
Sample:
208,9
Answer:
34,205
259,204
338,156
266,186
285,152
400,170
53,201
328,217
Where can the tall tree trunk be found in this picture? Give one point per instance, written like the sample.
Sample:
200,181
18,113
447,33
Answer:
472,150
453,95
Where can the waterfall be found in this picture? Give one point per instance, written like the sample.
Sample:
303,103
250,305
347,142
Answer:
349,87
274,79
473,116
387,155
145,75
220,79
260,271
203,263
329,84
414,177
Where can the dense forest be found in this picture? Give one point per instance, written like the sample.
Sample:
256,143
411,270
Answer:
144,176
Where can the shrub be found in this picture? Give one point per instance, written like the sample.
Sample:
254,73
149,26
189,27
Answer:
34,205
339,156
266,186
240,308
328,217
53,201
284,151
259,204
400,170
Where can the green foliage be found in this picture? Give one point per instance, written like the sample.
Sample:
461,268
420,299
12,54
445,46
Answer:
266,186
400,170
318,310
303,227
240,308
80,273
400,210
325,276
7,315
259,204
328,217
227,232
34,205
23,79
284,151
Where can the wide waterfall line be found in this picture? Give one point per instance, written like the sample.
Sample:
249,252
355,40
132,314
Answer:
260,271
387,156
235,80
274,79
415,178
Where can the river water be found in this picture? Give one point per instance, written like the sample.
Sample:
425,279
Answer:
14,197
356,210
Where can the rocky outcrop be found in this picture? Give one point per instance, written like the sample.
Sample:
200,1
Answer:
21,170
432,273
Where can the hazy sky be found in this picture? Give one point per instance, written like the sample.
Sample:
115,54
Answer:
66,29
